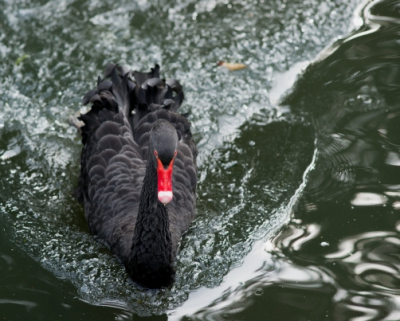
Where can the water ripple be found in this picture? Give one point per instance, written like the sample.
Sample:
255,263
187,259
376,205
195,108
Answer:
253,153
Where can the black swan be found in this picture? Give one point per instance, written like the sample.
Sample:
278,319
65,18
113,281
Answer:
138,171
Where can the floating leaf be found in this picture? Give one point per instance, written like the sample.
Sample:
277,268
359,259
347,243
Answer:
21,59
232,66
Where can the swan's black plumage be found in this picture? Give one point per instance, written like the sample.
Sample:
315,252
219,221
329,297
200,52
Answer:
118,181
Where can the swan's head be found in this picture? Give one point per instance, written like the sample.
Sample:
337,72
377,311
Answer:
163,145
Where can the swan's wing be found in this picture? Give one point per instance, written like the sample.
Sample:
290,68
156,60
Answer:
112,174
182,209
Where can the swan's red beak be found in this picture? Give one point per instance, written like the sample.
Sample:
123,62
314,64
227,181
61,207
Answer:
165,181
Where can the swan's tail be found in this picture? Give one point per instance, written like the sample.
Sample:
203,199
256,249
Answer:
136,93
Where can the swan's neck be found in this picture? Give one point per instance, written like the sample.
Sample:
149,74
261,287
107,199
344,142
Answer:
151,260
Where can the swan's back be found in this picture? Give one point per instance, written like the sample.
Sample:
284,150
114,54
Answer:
115,136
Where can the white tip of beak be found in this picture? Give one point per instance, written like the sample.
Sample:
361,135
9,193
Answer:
165,197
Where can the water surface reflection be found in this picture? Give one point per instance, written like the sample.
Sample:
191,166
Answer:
338,258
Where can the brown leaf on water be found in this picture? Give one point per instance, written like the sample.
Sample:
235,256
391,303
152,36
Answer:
232,66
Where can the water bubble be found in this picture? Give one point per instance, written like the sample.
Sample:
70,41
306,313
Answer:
258,292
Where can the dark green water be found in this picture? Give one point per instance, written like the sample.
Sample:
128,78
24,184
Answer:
298,202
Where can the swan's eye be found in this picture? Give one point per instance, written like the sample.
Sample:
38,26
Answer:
155,154
175,153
